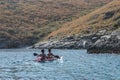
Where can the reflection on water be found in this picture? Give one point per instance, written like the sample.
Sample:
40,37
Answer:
75,65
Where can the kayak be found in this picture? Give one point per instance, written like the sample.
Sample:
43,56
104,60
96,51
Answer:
38,59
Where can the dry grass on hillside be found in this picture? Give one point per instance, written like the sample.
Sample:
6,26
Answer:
31,20
107,17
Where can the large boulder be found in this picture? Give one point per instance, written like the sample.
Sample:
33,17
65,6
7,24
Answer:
107,43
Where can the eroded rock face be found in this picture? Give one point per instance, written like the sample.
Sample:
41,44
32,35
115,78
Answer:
71,42
93,42
107,43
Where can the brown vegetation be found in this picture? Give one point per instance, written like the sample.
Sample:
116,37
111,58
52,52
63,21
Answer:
107,17
27,21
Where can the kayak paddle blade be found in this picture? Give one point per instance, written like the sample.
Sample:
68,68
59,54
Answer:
35,54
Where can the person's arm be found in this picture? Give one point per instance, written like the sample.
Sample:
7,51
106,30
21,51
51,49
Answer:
52,54
56,56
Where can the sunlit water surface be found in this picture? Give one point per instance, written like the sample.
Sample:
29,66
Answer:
75,65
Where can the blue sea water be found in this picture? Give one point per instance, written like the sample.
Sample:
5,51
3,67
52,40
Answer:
18,64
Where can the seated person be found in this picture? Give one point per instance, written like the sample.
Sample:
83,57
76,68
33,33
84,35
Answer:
50,55
42,56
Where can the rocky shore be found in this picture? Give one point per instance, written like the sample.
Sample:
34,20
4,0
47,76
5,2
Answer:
107,44
100,42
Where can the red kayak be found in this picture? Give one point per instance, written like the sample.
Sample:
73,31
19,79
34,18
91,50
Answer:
38,59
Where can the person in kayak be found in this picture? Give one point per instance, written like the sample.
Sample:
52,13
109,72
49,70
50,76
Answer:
42,56
51,55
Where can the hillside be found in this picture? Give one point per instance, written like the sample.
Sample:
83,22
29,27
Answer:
96,31
105,18
24,22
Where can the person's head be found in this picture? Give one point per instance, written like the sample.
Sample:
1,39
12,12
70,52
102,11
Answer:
49,50
42,50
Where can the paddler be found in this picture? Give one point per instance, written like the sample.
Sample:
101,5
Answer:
51,55
42,55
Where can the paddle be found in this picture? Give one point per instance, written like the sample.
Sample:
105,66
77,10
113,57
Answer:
56,56
35,54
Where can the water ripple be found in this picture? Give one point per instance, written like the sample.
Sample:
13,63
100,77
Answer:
75,65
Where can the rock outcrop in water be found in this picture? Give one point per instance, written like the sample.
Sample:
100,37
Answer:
66,43
102,41
107,43
70,42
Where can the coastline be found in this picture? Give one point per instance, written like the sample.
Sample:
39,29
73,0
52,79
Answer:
100,42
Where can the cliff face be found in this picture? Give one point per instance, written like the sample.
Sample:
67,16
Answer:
97,30
24,22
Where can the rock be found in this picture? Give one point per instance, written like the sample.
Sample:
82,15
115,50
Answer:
97,42
117,33
107,43
101,32
109,14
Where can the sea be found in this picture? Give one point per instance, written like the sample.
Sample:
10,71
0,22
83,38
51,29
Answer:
19,64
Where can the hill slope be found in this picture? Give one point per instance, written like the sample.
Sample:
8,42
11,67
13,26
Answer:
105,18
24,22
98,31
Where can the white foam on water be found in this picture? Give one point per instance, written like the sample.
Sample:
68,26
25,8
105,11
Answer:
61,59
